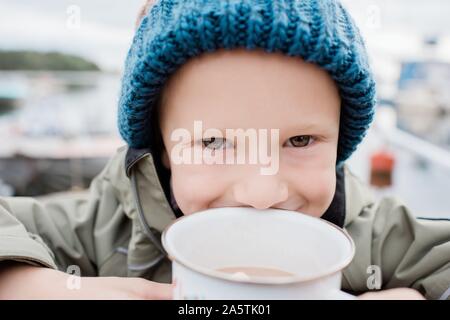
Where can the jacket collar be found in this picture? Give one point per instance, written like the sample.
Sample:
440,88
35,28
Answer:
151,196
357,196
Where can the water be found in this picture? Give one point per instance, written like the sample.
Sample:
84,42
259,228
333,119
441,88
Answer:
63,104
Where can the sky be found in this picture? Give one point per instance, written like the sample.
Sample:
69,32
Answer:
102,30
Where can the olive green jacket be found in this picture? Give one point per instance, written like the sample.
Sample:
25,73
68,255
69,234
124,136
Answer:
114,228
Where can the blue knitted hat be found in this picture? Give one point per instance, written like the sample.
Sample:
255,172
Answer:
319,31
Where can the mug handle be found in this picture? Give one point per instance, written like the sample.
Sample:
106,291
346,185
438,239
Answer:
340,295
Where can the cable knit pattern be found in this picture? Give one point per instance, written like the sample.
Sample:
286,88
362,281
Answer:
318,31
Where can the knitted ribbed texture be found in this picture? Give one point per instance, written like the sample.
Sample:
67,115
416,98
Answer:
319,31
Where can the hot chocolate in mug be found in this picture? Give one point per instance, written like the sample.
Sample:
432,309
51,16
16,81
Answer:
247,253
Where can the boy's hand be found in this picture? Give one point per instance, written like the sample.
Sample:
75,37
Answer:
21,281
124,289
393,294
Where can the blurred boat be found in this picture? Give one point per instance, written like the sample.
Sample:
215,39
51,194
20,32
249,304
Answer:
423,99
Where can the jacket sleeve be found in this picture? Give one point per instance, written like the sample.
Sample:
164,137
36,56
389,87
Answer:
407,251
55,231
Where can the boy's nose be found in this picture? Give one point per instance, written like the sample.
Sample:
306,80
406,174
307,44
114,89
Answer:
261,193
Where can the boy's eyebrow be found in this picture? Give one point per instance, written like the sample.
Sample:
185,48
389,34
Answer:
291,128
304,126
319,128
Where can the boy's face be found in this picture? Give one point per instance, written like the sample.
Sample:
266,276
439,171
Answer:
254,90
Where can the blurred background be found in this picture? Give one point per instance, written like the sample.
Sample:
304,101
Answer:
60,69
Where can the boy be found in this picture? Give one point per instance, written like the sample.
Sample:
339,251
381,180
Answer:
296,66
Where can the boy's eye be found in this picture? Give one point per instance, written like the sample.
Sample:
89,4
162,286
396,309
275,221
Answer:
299,141
215,143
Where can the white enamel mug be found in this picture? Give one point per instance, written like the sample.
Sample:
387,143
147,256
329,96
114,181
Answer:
314,251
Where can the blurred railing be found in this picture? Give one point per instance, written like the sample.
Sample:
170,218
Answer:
420,147
386,126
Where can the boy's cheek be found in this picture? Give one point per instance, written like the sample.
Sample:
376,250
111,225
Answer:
318,189
194,192
328,190
326,198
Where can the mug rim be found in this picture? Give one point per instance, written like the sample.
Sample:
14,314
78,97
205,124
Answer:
258,279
